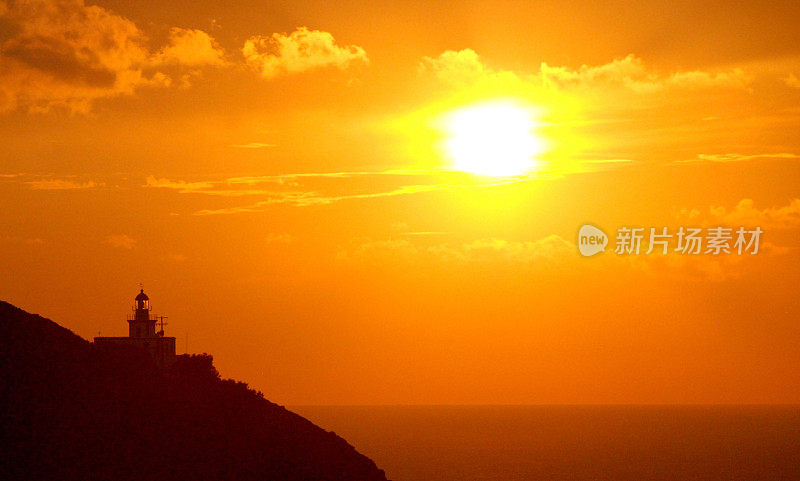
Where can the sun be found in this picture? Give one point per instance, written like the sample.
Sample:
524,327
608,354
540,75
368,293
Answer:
496,138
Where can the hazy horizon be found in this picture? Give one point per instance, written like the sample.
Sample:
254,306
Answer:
571,442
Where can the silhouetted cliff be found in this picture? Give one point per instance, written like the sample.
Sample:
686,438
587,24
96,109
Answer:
73,412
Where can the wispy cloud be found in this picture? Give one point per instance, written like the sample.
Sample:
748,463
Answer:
792,81
296,188
61,184
24,240
305,199
544,251
738,157
179,185
283,178
223,186
279,238
607,161
746,213
424,233
121,241
252,145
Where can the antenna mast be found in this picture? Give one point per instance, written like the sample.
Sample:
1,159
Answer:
161,325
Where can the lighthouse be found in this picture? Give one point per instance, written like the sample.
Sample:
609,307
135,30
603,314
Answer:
142,333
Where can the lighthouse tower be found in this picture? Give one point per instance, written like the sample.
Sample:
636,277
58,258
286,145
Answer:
141,324
142,333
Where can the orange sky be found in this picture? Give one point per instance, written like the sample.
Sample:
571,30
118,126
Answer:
273,172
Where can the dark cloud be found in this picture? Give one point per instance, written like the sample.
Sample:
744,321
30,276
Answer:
64,53
59,60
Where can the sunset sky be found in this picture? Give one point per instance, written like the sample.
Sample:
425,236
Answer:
307,190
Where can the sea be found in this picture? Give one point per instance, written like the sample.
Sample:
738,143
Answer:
575,443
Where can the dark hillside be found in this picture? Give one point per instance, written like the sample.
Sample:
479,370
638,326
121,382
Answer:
72,412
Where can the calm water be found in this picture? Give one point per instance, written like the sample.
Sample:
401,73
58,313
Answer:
456,443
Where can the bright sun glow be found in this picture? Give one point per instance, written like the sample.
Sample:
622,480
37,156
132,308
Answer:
494,138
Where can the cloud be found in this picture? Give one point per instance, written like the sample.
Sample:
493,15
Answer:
792,81
24,240
464,67
225,188
66,54
688,268
220,187
306,199
121,241
60,184
724,267
631,73
738,157
706,267
191,47
279,238
549,250
300,51
176,257
424,233
607,161
285,178
179,185
746,214
252,145
276,191
49,182
456,67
